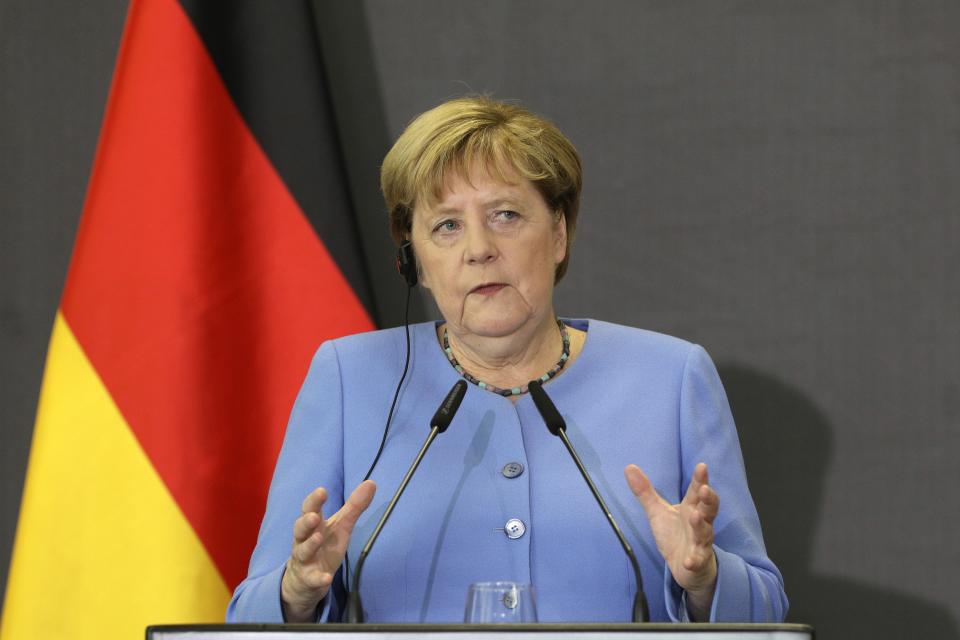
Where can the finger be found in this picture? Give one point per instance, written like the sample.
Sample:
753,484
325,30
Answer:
317,579
700,478
642,488
356,504
701,530
314,502
306,550
699,560
709,503
305,525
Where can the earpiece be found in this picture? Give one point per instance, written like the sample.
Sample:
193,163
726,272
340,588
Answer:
407,264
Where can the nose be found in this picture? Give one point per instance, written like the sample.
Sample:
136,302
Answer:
480,246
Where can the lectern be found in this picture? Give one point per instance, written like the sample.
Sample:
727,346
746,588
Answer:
573,631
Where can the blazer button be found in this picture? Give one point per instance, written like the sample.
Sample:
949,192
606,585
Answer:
512,470
514,528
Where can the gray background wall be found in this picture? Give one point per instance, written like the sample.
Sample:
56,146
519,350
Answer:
779,181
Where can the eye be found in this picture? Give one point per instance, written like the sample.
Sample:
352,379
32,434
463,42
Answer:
506,216
447,226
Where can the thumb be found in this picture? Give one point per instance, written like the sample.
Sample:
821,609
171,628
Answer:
357,503
642,488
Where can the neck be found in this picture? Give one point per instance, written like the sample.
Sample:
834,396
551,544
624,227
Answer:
509,361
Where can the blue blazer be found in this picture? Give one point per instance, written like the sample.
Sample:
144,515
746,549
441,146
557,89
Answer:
632,396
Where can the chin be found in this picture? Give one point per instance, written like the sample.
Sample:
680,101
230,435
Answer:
497,317
496,326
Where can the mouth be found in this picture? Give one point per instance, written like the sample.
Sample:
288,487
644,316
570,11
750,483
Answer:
488,288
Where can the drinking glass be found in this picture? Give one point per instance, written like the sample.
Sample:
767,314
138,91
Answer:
500,602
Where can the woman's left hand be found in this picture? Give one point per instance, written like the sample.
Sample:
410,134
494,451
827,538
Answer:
684,534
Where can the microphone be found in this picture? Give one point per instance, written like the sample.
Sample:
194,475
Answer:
441,420
558,427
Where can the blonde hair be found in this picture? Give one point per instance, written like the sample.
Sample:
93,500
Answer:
455,136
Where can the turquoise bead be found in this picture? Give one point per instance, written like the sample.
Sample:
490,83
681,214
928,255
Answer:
515,391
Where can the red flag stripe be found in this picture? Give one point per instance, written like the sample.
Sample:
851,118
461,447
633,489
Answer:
197,288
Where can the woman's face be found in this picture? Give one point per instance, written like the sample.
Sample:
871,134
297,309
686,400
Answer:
488,251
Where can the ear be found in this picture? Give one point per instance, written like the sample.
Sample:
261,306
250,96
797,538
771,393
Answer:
560,238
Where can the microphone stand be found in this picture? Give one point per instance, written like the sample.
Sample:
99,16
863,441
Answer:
558,427
441,420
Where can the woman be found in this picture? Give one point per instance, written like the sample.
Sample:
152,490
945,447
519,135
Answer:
487,193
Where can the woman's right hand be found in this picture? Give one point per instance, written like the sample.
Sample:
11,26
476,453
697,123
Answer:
318,549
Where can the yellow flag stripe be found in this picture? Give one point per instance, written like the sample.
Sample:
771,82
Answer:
102,549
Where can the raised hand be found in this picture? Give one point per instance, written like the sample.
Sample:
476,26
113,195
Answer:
319,546
684,534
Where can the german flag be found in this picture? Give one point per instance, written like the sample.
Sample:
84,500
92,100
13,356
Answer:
215,252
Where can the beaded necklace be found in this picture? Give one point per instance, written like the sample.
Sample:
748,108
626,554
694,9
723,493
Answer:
515,391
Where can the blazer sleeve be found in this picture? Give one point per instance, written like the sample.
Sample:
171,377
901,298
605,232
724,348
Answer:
311,457
749,586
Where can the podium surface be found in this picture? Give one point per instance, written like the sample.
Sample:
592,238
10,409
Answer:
571,631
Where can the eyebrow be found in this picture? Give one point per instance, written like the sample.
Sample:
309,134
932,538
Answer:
489,204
